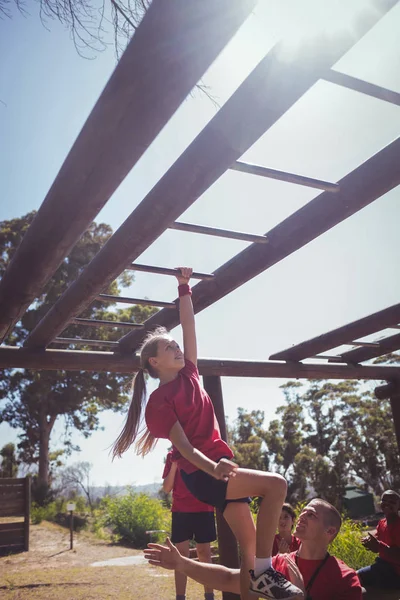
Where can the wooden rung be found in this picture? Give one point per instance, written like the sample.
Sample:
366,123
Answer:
142,301
99,323
226,233
364,87
79,341
284,176
166,271
362,344
327,357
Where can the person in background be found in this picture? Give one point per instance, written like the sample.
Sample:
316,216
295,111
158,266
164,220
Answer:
191,519
285,541
311,568
385,572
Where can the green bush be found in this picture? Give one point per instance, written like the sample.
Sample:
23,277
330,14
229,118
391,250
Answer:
347,546
43,513
130,516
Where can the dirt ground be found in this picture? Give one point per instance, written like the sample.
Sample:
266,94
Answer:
49,548
51,571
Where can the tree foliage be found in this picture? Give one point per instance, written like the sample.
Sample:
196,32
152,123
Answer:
132,515
9,461
326,435
34,400
91,24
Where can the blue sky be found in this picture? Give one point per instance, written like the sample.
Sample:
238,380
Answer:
47,92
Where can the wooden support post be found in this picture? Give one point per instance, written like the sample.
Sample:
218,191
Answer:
395,405
392,391
27,515
227,544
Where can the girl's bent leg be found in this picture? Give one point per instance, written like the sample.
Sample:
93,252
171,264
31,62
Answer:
240,520
271,487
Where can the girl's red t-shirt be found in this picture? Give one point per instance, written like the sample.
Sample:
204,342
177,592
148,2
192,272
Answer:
182,499
185,400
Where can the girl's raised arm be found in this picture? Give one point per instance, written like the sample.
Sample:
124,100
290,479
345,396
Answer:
186,315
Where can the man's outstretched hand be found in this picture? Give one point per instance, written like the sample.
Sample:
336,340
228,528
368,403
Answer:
167,557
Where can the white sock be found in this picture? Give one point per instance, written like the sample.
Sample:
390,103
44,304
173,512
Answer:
261,565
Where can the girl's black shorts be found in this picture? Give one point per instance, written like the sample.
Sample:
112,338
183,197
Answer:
207,489
199,526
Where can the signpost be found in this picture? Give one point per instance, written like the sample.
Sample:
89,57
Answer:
71,507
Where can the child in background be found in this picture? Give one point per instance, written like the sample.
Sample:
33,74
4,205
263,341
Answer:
180,410
191,519
284,541
385,572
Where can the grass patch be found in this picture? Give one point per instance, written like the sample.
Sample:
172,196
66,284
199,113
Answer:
90,583
347,546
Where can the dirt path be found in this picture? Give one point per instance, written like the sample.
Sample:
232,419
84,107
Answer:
49,548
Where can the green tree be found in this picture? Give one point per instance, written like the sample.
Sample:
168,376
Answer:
329,436
35,400
9,462
246,441
325,436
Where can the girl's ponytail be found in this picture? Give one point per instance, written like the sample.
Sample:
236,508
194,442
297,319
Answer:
130,430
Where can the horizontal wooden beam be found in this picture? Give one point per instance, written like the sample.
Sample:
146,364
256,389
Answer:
225,233
364,87
364,344
389,390
166,271
170,51
83,342
386,346
365,184
284,176
100,323
272,88
140,301
342,335
75,360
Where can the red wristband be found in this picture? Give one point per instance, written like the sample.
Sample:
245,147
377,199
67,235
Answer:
184,290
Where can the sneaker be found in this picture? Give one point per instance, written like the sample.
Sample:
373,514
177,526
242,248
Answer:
273,585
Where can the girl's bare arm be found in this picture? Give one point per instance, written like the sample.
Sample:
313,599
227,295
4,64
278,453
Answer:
168,482
186,316
222,470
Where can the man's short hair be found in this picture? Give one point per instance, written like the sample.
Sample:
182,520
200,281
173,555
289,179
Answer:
331,516
391,493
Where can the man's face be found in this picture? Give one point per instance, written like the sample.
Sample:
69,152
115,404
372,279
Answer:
310,525
390,504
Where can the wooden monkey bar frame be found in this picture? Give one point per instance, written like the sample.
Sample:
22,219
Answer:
131,111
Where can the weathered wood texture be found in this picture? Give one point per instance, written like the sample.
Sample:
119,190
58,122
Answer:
170,51
75,360
271,89
343,335
365,184
227,544
14,502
